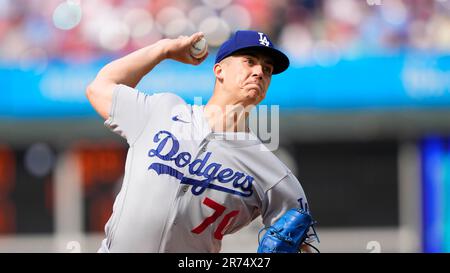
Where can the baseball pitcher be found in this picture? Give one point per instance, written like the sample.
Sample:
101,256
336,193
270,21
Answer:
196,173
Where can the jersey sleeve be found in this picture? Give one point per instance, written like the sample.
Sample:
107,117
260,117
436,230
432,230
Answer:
286,194
130,112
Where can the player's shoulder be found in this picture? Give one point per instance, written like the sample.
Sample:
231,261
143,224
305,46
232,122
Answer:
162,97
267,168
266,157
276,166
168,103
169,98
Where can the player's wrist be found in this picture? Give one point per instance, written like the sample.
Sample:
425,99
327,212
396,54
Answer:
168,48
163,49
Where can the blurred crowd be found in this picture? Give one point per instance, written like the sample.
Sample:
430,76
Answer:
309,30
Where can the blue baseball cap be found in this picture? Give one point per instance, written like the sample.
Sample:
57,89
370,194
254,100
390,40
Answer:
254,40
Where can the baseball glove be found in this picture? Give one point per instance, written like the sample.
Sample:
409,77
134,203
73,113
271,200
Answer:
288,233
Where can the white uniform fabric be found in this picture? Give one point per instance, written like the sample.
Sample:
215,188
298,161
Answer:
184,186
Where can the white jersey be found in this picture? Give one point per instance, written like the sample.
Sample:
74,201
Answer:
185,187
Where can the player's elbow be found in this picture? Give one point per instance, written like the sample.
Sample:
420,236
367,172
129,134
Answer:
94,90
99,94
89,91
93,93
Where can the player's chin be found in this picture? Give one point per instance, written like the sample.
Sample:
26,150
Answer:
252,93
255,95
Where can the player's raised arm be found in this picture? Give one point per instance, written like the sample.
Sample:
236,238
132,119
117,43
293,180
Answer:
130,69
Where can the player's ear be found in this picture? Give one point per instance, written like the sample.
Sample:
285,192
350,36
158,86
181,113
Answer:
218,71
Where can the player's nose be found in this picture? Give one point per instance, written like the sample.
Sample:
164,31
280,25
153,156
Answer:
258,71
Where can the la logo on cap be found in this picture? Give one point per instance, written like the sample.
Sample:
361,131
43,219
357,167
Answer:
263,39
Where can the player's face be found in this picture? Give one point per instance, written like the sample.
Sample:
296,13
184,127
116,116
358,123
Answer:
248,76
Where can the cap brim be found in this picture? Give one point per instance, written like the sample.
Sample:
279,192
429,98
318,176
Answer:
280,60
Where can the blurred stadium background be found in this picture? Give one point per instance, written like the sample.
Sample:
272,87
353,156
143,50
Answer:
364,123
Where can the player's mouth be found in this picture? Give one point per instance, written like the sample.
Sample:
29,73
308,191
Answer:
254,85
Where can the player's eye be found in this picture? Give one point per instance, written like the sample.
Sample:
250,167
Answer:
250,61
267,70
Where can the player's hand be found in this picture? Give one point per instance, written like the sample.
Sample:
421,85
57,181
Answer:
179,49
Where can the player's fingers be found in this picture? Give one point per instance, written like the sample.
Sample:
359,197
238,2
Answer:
199,61
204,57
196,37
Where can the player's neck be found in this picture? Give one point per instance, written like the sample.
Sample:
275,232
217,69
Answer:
224,117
